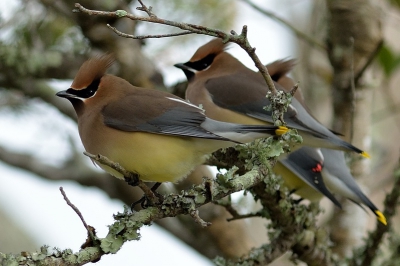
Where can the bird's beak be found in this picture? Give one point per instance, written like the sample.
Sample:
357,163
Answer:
187,70
65,94
182,66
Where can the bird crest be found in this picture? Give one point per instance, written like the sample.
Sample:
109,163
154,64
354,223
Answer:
215,46
91,70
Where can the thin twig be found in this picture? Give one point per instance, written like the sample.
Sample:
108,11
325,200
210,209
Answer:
197,219
294,89
298,33
142,37
147,10
368,62
130,178
235,214
244,216
78,212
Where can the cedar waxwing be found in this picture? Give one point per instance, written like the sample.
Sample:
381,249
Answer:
303,172
155,134
334,170
226,100
231,92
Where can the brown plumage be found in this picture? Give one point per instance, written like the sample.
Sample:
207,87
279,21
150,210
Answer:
229,91
155,134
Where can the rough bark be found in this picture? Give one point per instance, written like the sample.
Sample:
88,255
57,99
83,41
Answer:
354,33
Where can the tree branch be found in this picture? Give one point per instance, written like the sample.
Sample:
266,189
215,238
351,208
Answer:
354,33
89,229
130,178
142,37
281,213
126,225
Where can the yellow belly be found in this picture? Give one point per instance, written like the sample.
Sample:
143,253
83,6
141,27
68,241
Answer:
158,158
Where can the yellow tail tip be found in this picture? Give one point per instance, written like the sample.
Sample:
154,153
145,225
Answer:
281,130
381,217
365,154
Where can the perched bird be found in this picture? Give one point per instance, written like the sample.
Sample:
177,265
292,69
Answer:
230,92
159,136
313,173
336,176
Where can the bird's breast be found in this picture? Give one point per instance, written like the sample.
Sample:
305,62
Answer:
158,158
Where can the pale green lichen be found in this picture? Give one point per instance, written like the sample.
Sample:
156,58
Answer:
279,103
86,254
200,199
121,13
111,243
247,179
225,180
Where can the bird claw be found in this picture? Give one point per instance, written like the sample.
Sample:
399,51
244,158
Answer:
149,200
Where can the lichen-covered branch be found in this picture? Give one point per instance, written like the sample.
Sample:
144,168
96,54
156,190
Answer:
297,233
277,206
126,226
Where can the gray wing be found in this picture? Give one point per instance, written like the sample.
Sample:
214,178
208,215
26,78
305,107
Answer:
156,112
335,164
250,102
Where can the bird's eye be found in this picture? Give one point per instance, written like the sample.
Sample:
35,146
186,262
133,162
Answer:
202,64
90,90
87,92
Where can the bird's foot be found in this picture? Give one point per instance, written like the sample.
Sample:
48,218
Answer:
150,198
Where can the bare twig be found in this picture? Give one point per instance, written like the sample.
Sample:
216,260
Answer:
298,33
197,219
235,214
368,62
294,89
142,37
78,212
130,178
145,9
243,216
